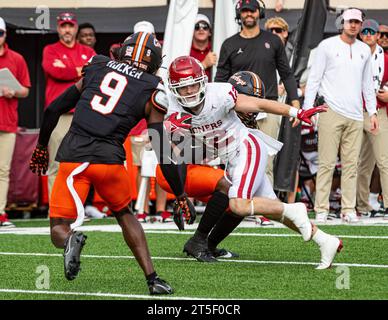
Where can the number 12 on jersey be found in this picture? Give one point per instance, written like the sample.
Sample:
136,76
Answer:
114,93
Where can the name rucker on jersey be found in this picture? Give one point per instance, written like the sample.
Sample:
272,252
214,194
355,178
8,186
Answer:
217,126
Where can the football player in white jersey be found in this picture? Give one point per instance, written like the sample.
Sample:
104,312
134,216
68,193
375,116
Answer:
213,122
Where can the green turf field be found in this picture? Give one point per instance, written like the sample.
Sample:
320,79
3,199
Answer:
275,265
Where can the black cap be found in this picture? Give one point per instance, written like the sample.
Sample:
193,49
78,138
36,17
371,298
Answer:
251,5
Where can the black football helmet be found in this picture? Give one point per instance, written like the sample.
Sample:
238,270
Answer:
248,83
141,50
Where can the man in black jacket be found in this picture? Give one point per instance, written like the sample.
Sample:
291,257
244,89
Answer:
263,53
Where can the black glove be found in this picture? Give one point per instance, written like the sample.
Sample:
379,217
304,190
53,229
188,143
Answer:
183,209
39,160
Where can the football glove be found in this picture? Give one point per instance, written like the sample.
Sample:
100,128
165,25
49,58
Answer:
183,210
39,160
305,115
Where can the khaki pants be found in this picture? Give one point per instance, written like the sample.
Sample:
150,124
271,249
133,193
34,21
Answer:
374,150
7,146
270,126
56,138
337,132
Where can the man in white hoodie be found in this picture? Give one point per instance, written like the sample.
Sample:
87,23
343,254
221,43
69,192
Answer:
342,74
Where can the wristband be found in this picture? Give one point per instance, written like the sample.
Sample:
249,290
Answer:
293,112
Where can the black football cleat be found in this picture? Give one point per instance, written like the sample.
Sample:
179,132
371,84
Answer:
73,248
223,253
159,286
197,248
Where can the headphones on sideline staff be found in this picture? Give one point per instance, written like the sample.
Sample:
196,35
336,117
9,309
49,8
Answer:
238,11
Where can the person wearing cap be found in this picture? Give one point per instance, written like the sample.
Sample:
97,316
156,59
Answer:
62,64
374,150
263,53
201,47
15,63
342,74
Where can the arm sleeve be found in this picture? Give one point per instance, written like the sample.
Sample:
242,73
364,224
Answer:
61,74
64,103
286,75
224,69
368,88
315,77
163,150
23,74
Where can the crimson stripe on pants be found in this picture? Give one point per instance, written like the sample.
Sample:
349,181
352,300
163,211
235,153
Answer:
246,169
256,167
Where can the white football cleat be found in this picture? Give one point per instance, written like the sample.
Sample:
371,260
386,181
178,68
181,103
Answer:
328,251
350,217
321,217
297,213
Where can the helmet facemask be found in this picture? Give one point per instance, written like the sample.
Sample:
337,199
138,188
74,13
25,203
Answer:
193,100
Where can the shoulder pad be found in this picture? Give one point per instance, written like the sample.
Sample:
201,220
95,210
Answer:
159,101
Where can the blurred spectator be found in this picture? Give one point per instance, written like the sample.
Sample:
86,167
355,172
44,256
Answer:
263,53
374,149
62,63
279,5
9,115
279,26
383,39
87,35
341,127
201,46
144,26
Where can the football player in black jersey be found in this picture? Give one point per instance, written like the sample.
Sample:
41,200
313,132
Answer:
110,99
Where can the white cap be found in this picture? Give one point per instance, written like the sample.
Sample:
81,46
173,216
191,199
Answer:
144,26
202,17
2,24
352,14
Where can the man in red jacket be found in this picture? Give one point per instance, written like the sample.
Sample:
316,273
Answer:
62,63
9,115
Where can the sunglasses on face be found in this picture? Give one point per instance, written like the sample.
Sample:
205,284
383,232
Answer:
277,30
203,26
370,31
384,34
2,33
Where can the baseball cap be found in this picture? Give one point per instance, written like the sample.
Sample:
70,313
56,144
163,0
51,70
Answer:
249,4
2,24
352,14
144,26
67,17
370,24
202,17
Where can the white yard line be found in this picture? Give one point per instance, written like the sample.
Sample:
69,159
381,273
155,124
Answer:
356,265
107,295
160,229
